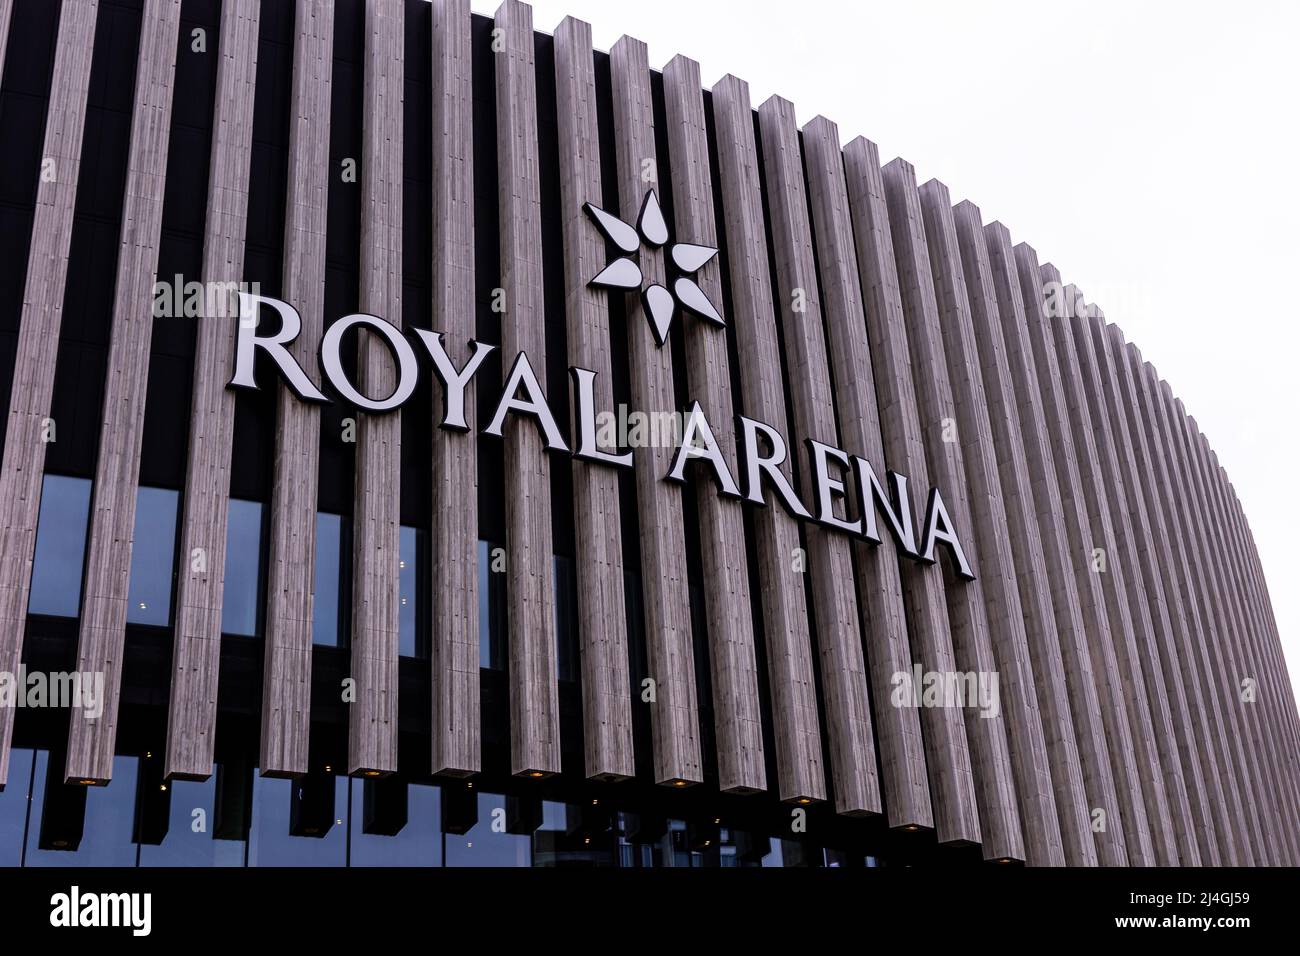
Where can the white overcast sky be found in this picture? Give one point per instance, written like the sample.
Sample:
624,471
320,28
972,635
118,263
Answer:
1148,149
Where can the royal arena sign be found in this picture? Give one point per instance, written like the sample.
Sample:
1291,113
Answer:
843,484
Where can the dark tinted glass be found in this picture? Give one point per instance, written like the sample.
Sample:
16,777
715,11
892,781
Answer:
280,804
411,641
243,568
106,837
153,555
60,546
189,840
331,597
13,808
417,843
486,844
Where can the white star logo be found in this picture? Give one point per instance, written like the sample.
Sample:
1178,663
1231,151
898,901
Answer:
624,273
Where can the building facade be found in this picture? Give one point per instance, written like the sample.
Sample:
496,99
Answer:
434,442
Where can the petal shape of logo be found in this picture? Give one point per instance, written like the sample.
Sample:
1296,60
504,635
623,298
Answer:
659,307
653,228
619,274
615,229
692,298
691,258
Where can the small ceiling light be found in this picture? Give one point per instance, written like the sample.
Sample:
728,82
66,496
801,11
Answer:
372,773
148,754
679,783
805,800
86,783
535,774
162,787
328,769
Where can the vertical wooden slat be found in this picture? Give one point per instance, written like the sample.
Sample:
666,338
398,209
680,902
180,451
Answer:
196,653
376,514
675,723
1282,698
972,433
830,560
290,592
737,718
1267,693
990,758
1027,571
108,556
1151,543
948,758
1103,556
1130,816
1147,612
776,533
1213,614
23,465
606,695
530,585
1271,647
898,729
454,638
1038,511
1274,796
1152,470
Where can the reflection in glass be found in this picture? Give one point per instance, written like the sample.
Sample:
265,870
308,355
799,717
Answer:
566,618
60,546
270,842
484,845
412,639
419,843
13,807
329,612
106,838
491,606
189,840
153,555
243,568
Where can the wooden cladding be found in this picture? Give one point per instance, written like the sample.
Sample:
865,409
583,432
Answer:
757,651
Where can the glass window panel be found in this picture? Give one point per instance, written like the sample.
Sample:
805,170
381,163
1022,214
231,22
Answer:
243,568
13,807
566,619
331,598
491,607
484,609
419,843
106,837
411,642
189,839
153,555
60,546
482,846
270,842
